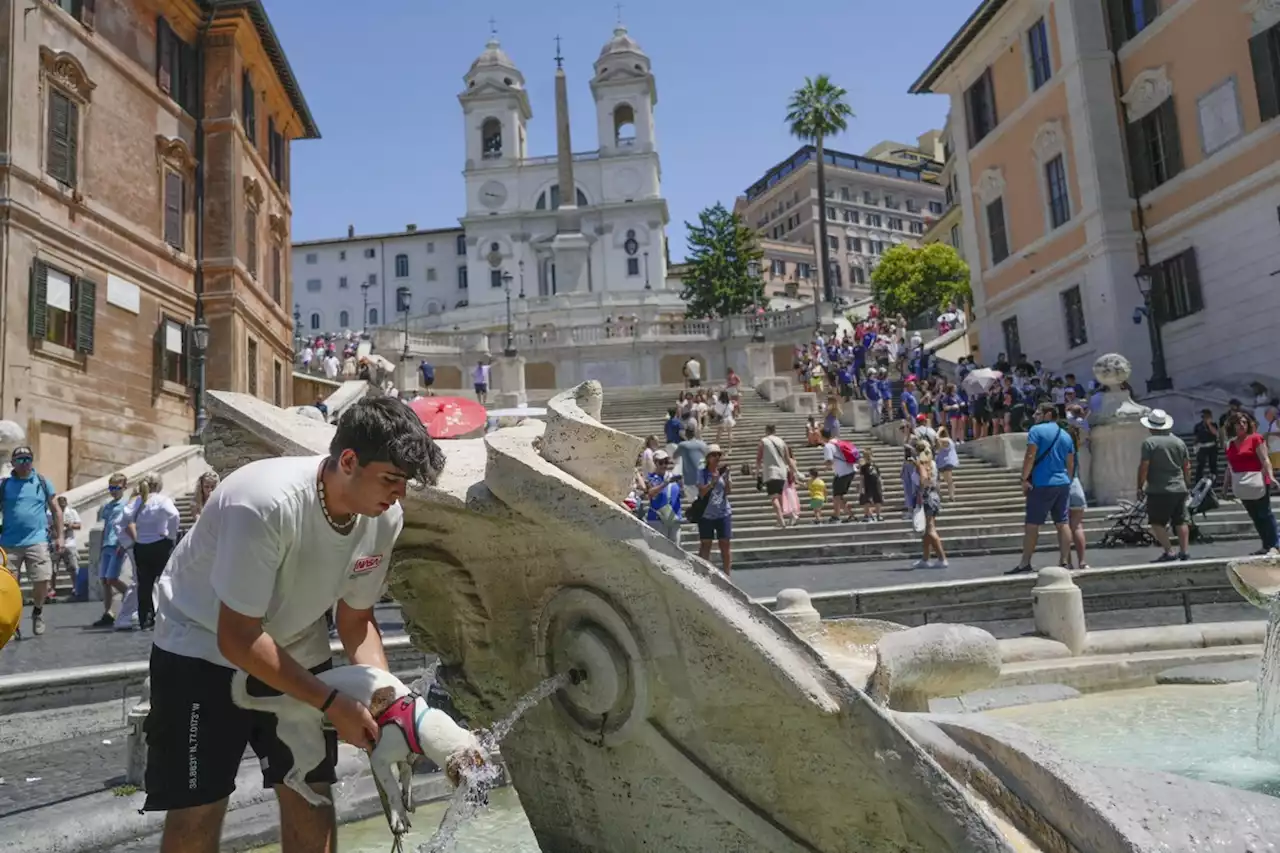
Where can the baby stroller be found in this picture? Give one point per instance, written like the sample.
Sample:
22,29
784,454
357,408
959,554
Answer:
1128,525
1201,502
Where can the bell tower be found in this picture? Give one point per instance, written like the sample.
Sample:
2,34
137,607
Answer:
625,95
495,108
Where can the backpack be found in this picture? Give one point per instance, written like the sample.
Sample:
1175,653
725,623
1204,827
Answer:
848,451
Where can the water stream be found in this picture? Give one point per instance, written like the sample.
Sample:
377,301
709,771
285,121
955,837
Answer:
1269,688
476,781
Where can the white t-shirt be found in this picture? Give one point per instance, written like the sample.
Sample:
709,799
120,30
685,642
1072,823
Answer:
262,546
69,517
331,366
694,369
832,454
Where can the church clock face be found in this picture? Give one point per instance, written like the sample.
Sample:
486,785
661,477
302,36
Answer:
493,194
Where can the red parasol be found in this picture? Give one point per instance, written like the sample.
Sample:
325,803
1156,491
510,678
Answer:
449,417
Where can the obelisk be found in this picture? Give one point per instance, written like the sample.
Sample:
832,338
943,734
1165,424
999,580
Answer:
570,247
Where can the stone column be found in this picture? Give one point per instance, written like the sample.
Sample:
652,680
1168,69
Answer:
759,363
1115,434
1058,608
507,376
406,377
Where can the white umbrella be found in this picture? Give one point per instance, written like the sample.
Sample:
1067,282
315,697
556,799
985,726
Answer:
947,318
978,381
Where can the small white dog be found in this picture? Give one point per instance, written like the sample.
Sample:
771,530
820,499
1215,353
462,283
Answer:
410,728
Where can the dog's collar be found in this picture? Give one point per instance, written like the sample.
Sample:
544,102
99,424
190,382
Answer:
401,713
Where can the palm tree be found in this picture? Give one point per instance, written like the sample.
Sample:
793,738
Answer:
818,110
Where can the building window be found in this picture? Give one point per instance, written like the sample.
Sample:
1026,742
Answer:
276,153
935,207
779,268
431,248
251,241
874,220
370,254
277,383
373,316
844,193
895,224
997,231
980,108
431,273
174,207
851,244
1038,54
917,228
342,282
867,198
857,275
402,266
173,351
913,206
1012,340
495,278
312,257
1130,17
344,319
1175,289
176,67
462,278
62,308
846,215
890,202
313,285
1264,49
633,267
831,214
803,270
955,236
1073,312
1155,149
315,322
491,139
252,367
833,242
461,244
1055,176
63,138
249,108
373,279
277,275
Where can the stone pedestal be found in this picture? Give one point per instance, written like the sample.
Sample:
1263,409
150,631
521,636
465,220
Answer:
507,390
856,414
775,390
759,363
406,377
136,739
802,403
1115,434
95,552
1058,608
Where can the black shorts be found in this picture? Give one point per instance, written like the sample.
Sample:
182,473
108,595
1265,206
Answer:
481,388
774,487
840,485
1167,509
872,494
196,736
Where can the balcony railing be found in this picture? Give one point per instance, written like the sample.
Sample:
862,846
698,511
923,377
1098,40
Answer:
552,158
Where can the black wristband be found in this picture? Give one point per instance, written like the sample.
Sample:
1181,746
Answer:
325,707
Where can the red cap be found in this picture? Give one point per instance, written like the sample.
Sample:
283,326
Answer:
921,419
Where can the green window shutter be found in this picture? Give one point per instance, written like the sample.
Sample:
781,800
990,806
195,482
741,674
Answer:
164,56
1116,23
1139,162
88,9
1159,287
189,354
60,155
1191,275
1263,51
73,140
37,302
173,209
86,314
1167,115
157,352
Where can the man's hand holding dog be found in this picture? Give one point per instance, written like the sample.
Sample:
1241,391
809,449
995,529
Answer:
354,723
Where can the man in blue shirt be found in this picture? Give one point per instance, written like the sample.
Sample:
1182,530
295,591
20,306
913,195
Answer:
871,390
1047,469
910,407
428,375
111,557
25,496
664,498
886,393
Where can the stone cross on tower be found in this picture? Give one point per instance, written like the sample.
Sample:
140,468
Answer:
618,8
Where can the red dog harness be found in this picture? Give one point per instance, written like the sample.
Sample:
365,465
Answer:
400,714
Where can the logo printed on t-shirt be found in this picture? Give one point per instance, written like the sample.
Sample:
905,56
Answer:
364,565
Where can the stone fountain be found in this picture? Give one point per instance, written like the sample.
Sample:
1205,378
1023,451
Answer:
705,721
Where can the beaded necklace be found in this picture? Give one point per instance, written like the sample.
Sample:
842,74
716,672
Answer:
344,528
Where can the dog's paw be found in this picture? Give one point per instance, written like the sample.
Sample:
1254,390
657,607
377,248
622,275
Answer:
462,762
399,824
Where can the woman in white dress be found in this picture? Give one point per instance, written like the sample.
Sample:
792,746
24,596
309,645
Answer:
725,421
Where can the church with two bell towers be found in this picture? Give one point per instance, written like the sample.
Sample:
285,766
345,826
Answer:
574,222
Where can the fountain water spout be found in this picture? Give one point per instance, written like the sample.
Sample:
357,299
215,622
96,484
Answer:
1257,579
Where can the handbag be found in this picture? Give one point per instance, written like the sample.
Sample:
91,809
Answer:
1248,485
917,519
698,508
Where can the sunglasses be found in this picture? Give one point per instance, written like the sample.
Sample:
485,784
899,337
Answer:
115,488
22,460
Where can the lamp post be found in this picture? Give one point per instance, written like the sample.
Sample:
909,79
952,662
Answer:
402,306
200,343
364,316
646,272
1160,380
297,331
521,279
510,349
753,272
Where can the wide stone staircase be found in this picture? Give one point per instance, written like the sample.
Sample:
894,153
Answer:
985,518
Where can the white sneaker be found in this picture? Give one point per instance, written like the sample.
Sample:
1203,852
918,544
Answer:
920,564
939,564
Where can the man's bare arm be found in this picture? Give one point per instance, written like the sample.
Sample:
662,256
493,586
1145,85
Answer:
243,642
361,637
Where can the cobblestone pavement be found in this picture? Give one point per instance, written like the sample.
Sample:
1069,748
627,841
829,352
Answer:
54,773
68,641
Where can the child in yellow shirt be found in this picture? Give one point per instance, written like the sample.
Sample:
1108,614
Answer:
817,495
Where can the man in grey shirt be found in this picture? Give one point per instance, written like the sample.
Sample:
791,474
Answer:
691,452
1163,476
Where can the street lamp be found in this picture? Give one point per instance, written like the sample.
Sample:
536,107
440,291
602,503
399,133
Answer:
364,318
1160,380
402,306
646,272
297,331
522,279
753,272
510,350
200,344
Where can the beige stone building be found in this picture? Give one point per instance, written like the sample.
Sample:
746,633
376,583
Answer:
871,205
146,178
1107,148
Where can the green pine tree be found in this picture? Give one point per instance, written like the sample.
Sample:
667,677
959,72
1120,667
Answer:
723,277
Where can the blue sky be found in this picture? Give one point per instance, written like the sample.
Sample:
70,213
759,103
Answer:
382,79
